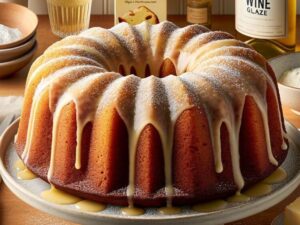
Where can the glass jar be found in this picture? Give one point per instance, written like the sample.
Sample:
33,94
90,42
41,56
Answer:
69,17
199,12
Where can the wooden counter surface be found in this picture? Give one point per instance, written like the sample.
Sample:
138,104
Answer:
14,212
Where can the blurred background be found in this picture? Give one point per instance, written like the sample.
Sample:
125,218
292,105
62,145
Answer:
102,7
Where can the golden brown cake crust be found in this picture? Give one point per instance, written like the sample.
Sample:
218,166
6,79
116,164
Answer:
208,124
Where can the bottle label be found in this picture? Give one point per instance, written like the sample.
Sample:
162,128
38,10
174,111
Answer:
265,19
197,15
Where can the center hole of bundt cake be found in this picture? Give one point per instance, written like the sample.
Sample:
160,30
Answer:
165,69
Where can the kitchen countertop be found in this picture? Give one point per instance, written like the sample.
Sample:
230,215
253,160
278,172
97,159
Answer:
14,212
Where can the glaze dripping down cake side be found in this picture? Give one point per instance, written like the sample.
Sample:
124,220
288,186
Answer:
151,115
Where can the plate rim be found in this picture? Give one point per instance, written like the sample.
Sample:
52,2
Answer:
223,216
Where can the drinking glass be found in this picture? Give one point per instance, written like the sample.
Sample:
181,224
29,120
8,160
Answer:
69,17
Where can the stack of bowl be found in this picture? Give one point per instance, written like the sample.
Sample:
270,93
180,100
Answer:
17,54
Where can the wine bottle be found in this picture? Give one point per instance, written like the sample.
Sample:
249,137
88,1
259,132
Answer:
270,25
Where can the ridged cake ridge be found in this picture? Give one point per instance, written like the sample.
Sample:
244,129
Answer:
211,71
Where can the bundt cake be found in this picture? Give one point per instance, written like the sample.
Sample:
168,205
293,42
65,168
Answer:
150,115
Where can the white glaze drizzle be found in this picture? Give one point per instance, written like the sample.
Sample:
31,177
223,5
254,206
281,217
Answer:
92,86
49,67
260,99
261,94
179,101
43,89
247,58
158,102
207,92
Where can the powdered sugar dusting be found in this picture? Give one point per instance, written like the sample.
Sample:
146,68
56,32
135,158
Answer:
215,71
178,96
8,34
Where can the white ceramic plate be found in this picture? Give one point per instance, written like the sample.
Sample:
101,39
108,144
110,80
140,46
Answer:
29,191
279,220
